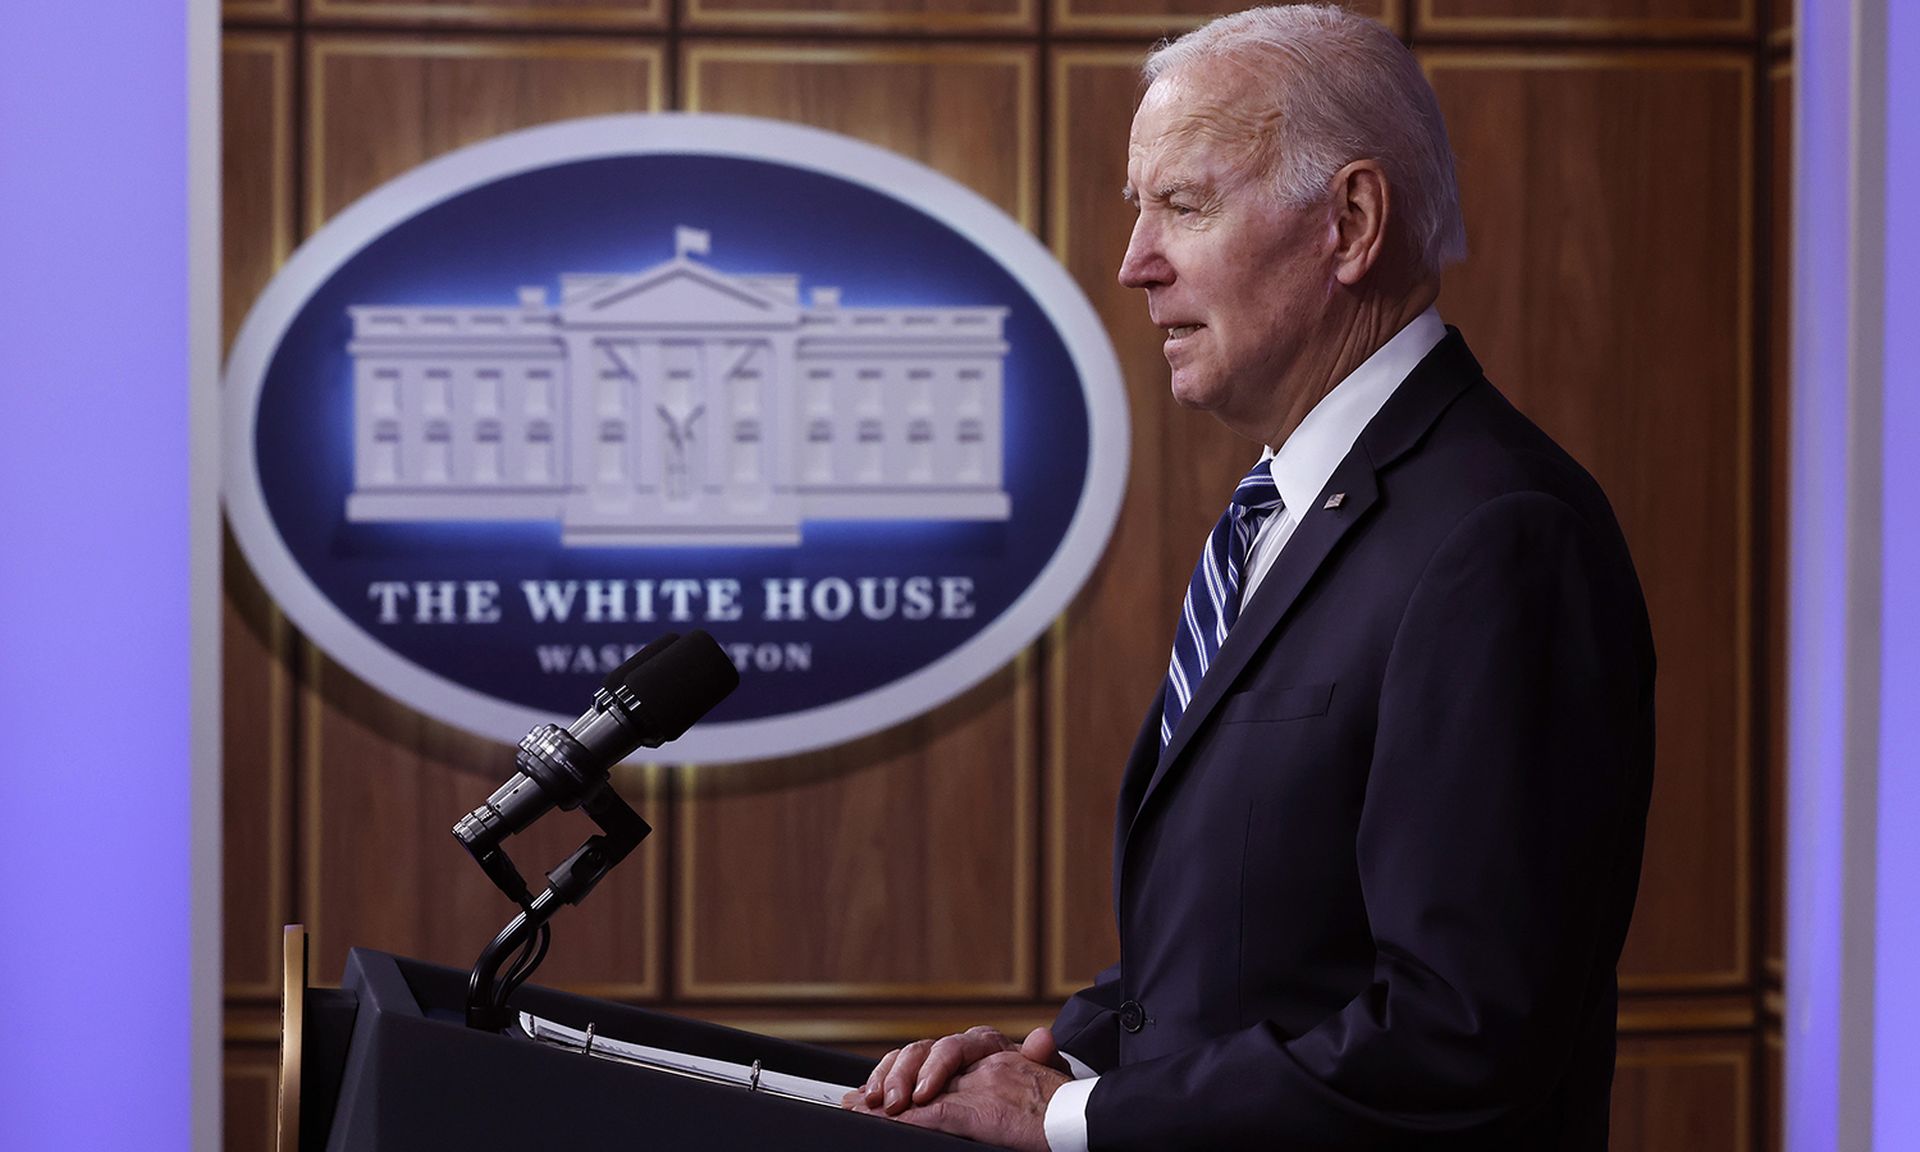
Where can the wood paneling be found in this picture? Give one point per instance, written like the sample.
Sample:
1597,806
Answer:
1683,1094
377,108
900,865
955,869
608,14
1668,19
896,866
1162,17
248,1089
863,15
278,11
382,870
1779,440
1112,650
256,792
1608,206
256,169
968,112
256,235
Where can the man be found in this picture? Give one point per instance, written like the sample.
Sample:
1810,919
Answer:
1379,837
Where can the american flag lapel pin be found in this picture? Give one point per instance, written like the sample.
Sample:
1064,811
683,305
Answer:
1335,500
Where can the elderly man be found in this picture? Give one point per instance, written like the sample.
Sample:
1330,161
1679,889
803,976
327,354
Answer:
1380,834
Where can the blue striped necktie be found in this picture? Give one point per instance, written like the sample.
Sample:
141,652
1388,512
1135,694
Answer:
1213,595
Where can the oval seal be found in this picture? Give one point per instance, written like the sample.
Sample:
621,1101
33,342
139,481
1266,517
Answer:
537,401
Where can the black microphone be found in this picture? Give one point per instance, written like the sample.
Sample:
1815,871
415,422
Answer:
652,698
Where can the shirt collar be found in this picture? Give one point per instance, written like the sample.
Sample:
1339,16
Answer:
1303,465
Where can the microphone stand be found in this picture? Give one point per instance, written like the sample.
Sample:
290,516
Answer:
622,829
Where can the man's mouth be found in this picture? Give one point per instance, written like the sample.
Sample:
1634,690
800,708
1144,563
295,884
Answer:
1181,330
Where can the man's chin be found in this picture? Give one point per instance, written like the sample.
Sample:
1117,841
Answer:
1190,390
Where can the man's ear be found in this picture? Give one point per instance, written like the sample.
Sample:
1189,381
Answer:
1362,204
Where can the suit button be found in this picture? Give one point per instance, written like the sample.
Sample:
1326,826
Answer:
1132,1016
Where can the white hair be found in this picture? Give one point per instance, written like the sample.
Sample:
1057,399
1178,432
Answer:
1343,88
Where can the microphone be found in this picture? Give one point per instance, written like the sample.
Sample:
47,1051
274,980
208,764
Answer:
651,699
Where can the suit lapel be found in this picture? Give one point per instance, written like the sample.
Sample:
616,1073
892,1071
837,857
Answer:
1400,423
1318,534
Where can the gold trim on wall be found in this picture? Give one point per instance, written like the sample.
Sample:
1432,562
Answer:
640,14
1066,21
688,985
281,10
699,17
1429,22
1741,971
1022,59
324,47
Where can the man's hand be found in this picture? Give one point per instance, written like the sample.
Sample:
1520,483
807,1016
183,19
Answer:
914,1075
976,1084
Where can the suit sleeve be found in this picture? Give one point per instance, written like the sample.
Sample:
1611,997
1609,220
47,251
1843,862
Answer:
1498,852
1088,1025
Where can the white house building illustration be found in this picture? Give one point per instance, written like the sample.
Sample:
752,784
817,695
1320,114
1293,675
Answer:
677,406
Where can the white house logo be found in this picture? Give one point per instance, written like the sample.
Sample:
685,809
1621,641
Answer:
531,404
677,405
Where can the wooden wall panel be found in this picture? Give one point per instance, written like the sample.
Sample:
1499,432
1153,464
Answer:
256,169
382,784
382,870
607,14
956,869
863,15
256,234
1780,408
256,793
965,111
1608,205
1163,17
378,107
896,866
277,11
1684,1094
1672,19
249,1088
903,864
1112,650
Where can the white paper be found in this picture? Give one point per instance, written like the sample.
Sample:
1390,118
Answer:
684,1064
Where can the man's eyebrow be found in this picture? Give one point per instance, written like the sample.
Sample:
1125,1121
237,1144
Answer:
1160,194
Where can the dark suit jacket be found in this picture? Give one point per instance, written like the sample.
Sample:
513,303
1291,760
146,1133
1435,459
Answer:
1374,891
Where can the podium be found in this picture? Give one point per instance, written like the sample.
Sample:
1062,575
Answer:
386,1063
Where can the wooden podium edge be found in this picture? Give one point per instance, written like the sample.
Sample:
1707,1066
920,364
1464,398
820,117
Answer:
293,1026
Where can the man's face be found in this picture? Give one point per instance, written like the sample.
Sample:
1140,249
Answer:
1238,283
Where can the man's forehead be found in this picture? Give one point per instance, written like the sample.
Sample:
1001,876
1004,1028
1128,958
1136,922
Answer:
1189,121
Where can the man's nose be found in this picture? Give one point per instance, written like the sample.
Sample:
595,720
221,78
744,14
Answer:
1143,266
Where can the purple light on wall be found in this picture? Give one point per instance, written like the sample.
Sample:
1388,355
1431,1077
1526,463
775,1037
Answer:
1896,1068
1817,581
96,1045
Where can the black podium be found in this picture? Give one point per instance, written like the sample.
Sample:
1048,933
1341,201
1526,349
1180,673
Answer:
386,1063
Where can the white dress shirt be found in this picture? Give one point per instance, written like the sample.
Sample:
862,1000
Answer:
1301,467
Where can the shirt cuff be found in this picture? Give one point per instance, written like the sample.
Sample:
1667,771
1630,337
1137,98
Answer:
1080,1069
1066,1123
